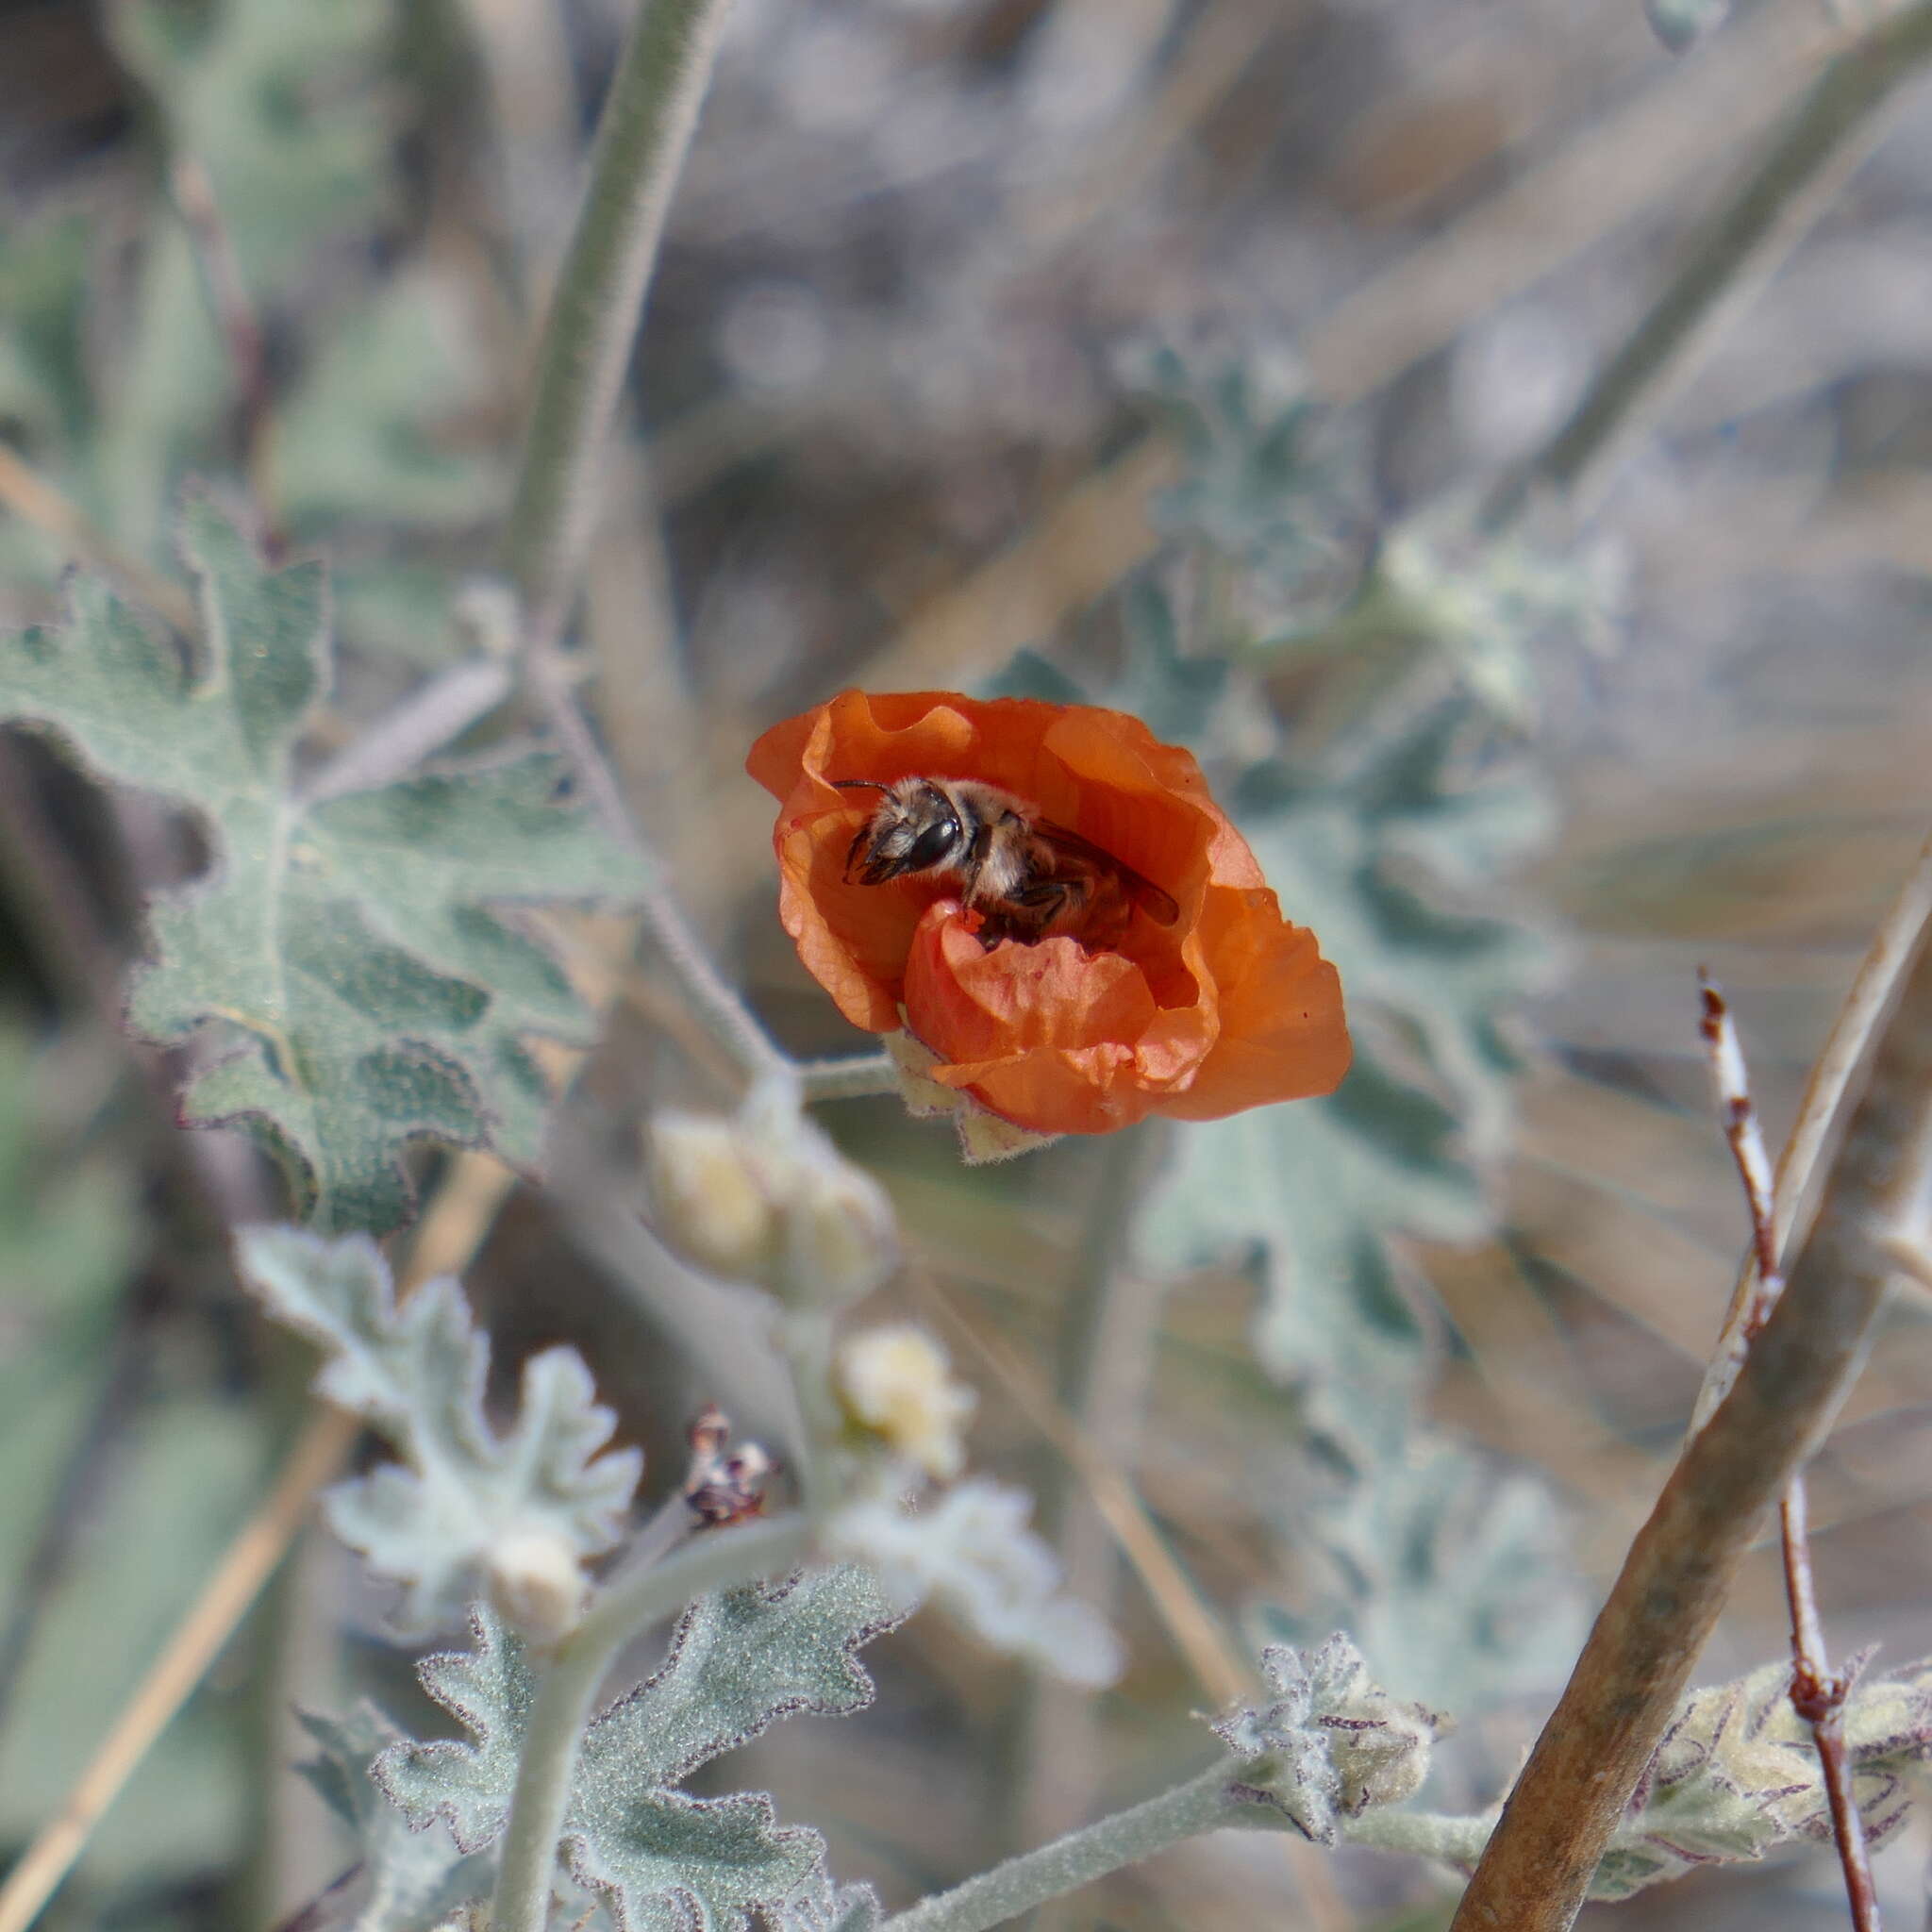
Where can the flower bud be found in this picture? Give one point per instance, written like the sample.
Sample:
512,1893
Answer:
711,1193
893,1382
767,1199
1380,1751
840,1239
535,1584
1333,1742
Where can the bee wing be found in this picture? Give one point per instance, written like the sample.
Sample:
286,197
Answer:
1159,905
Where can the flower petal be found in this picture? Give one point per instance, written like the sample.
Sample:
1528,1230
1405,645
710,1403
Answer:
1048,1036
1230,1006
1282,1034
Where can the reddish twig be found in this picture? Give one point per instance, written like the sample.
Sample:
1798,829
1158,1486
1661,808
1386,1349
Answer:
1818,1694
242,338
1535,1872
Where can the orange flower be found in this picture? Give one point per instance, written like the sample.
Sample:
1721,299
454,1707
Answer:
1230,1008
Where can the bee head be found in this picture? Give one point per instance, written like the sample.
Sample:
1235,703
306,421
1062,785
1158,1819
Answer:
914,827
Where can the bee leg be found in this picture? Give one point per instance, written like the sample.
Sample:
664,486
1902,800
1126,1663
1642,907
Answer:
859,840
1051,906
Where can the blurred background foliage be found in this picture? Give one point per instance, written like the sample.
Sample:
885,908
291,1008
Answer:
1151,352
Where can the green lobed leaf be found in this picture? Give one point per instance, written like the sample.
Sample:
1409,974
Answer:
410,1879
1453,1575
354,955
43,306
739,1661
351,441
1385,811
820,1905
1176,695
418,1373
277,101
1317,1191
1259,491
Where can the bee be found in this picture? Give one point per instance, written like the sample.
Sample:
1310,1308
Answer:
1029,878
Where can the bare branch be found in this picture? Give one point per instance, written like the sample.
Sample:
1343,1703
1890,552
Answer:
1537,1868
1818,1695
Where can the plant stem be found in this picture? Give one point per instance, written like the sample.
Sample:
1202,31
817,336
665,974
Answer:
459,1218
1107,1361
239,329
1819,1697
1443,1836
428,719
716,1004
1873,992
1806,161
645,131
853,1076
568,1689
1537,1869
1200,1804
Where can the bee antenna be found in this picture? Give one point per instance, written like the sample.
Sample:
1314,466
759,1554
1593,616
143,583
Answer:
858,785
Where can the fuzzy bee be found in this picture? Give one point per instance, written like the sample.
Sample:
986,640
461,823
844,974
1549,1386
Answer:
1029,878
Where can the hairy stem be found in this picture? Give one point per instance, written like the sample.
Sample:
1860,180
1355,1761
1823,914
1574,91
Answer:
1450,1839
649,118
646,131
430,718
1806,160
1538,1866
713,1001
853,1076
1107,1361
1123,1839
568,1690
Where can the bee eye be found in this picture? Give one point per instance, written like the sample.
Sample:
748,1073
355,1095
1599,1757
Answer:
932,844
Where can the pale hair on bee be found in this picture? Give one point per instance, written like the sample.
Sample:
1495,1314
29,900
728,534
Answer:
1029,878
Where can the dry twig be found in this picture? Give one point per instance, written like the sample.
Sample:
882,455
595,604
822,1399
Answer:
1537,1868
1818,1694
453,1230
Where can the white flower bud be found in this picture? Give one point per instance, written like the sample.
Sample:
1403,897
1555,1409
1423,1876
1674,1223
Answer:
712,1193
766,1198
841,1240
535,1584
894,1382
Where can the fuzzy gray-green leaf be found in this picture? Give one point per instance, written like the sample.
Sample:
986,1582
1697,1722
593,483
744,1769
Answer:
488,1690
663,1859
436,1520
742,1659
409,1879
352,957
